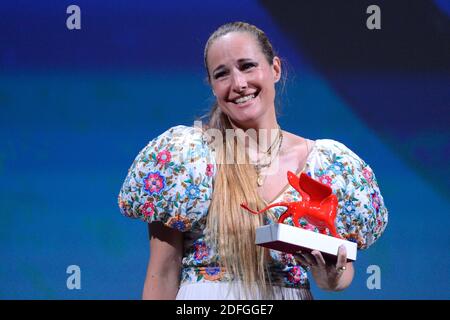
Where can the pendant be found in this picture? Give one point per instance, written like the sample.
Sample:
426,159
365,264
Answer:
260,181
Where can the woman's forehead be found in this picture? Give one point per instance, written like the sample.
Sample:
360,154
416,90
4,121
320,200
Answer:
232,47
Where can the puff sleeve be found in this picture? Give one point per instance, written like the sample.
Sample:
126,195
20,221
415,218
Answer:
170,180
362,215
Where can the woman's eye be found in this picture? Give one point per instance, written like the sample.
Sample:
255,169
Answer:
248,66
219,74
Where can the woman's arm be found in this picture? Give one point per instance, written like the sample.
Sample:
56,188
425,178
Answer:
163,271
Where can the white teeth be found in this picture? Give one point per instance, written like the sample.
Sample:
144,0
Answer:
244,99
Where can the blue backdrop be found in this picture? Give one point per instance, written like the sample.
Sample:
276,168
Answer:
76,106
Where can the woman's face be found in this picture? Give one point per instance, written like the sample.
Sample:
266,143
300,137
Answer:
241,78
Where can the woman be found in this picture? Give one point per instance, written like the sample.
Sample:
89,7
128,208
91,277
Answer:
189,192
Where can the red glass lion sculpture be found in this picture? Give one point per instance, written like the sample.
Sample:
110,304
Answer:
318,205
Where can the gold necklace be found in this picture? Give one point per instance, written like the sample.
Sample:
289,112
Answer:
258,166
279,136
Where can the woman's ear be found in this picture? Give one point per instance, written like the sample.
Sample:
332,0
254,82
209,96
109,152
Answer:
276,69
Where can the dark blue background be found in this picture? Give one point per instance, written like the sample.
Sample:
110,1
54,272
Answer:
76,106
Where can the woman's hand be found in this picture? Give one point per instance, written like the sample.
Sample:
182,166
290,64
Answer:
328,276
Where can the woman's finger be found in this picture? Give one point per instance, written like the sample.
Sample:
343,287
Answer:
309,258
320,261
301,260
341,259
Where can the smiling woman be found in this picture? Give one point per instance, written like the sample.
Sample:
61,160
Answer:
243,77
202,242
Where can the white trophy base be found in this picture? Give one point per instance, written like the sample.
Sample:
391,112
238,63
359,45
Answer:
289,239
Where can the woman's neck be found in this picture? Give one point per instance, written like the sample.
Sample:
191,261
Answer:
261,135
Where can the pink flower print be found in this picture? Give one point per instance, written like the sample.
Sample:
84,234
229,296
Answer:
148,209
286,258
209,170
309,227
125,206
294,275
154,182
379,223
326,180
375,201
164,157
368,174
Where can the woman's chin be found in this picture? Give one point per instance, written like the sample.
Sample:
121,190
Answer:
247,120
247,116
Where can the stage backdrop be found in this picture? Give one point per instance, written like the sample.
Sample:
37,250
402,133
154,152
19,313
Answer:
77,105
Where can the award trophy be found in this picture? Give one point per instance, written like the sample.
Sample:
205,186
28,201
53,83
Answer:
318,207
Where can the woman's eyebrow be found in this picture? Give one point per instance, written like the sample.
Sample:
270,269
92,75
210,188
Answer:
242,60
218,68
245,60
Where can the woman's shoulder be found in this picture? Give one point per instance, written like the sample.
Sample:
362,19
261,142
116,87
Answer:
333,158
181,132
334,149
362,215
330,144
296,141
170,180
186,141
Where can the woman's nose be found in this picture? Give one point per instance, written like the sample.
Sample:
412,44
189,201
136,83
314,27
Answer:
239,82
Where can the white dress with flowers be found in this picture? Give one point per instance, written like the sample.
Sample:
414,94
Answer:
172,179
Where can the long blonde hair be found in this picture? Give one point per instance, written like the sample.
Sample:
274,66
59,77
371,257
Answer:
230,228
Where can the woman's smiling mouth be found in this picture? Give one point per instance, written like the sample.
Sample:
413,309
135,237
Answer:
245,100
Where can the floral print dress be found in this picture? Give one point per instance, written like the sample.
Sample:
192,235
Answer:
172,179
